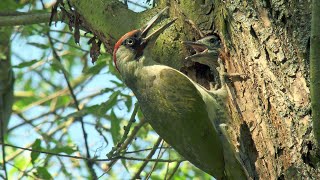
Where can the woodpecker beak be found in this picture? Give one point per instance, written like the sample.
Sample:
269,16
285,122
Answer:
156,33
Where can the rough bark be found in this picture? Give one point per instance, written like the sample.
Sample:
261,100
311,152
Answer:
269,43
265,40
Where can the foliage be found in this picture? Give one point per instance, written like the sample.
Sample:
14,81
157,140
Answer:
53,134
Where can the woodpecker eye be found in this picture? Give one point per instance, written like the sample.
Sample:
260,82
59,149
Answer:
129,42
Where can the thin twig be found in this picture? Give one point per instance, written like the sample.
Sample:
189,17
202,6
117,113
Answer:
93,159
54,111
174,170
144,164
147,149
116,150
126,143
55,54
64,125
156,163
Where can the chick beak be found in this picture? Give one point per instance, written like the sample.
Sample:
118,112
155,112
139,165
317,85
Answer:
198,47
154,35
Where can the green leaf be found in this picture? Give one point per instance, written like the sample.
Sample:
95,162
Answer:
26,64
118,84
140,114
63,101
128,102
43,173
112,101
124,163
115,127
106,90
35,146
38,45
20,162
96,68
58,67
66,149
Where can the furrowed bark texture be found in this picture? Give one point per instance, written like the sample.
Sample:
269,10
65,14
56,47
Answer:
268,41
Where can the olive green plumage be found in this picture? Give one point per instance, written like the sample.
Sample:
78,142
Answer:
186,115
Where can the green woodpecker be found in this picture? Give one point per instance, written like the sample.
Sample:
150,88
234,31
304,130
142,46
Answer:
182,112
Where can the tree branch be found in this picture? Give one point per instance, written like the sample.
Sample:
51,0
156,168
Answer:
92,159
160,154
26,18
155,147
175,169
6,89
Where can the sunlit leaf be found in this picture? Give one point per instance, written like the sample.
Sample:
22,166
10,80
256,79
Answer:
63,100
20,162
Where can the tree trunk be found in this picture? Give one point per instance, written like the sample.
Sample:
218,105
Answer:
268,42
6,80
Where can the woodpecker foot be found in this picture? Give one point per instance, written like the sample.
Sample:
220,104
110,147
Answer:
214,86
237,77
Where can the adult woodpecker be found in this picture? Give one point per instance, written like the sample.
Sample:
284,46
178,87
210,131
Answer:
179,110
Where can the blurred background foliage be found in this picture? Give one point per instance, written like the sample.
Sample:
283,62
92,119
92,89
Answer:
72,119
